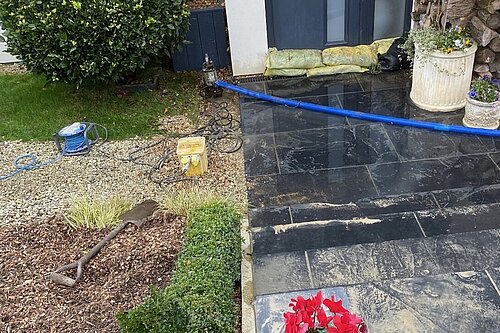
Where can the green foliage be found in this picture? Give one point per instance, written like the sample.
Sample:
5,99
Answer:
97,214
200,296
484,89
429,39
91,40
32,111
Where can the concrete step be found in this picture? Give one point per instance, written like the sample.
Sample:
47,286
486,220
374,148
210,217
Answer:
297,213
375,262
317,234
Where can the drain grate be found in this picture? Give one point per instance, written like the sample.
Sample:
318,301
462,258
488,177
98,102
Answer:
262,78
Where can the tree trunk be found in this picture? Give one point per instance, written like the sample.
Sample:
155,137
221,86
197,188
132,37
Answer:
495,45
496,5
492,21
485,55
481,68
459,8
481,33
495,66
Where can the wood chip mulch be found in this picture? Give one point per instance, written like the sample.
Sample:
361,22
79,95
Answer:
197,4
117,279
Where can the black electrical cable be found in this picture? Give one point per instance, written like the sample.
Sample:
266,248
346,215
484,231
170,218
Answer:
220,133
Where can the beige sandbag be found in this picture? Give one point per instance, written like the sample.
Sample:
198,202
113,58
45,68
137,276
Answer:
293,59
381,46
284,72
339,69
361,55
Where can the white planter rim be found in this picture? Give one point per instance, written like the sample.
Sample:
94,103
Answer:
452,55
479,103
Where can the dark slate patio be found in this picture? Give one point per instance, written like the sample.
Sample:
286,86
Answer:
401,223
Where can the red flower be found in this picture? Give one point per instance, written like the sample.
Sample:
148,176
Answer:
347,323
323,319
335,307
310,312
293,323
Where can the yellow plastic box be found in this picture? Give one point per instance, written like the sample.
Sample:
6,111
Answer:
192,155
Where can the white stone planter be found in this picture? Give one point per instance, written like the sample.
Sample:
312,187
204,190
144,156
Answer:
440,81
481,115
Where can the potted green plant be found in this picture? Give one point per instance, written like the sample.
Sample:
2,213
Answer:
483,106
443,60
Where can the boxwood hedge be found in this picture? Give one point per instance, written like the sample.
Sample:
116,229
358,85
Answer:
199,297
101,40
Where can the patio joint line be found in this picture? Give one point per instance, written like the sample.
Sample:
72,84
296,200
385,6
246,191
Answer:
436,201
309,270
340,102
290,214
419,225
373,181
435,158
393,146
491,158
359,82
276,154
492,282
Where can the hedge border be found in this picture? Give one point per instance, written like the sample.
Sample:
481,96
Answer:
199,297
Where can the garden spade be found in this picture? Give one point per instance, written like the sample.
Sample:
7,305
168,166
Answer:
137,215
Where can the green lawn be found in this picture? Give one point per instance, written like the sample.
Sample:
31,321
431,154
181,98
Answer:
32,110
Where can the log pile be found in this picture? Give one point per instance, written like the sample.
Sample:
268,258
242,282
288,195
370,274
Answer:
481,16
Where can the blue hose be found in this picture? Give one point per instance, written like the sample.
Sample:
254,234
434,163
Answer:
31,163
359,115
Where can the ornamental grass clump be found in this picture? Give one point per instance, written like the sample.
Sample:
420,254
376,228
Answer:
92,40
97,213
485,89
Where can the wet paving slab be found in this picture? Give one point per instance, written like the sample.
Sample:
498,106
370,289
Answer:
390,214
339,185
333,148
451,302
435,174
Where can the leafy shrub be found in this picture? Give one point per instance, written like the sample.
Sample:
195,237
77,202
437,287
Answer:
102,40
95,213
200,296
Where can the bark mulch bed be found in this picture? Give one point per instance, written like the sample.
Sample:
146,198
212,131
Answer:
117,279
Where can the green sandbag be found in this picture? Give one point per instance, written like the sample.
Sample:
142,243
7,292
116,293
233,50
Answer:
381,46
361,55
293,59
285,72
339,69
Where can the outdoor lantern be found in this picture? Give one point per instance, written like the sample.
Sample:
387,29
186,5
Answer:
209,72
209,77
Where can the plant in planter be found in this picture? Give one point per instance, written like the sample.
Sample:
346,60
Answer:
483,106
310,316
442,67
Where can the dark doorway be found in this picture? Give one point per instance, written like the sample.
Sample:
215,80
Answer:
317,24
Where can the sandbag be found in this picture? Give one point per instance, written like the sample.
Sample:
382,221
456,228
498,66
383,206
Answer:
361,55
303,59
381,46
284,72
339,69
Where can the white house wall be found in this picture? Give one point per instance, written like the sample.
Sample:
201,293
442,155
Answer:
4,56
247,35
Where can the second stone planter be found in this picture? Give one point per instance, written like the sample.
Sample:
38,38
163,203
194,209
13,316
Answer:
481,114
